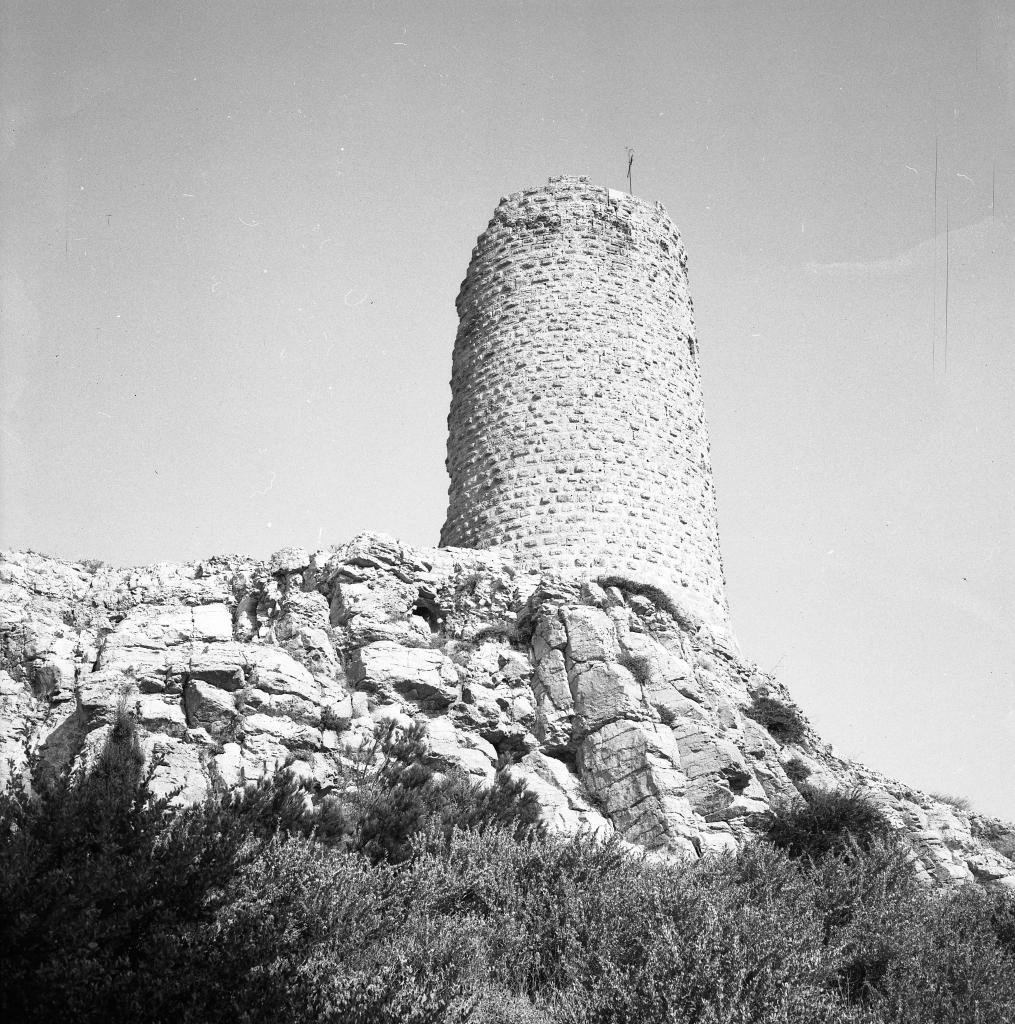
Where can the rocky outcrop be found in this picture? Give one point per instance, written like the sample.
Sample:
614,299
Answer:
620,714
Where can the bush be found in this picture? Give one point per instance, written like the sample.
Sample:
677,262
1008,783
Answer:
506,633
306,935
796,770
417,898
499,1006
397,794
827,821
104,889
783,722
947,964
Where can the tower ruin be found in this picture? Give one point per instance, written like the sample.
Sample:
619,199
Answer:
577,434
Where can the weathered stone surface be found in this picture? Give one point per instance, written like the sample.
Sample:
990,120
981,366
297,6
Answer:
212,622
384,666
163,715
620,480
178,772
300,630
289,733
590,635
275,672
603,692
100,693
211,708
222,665
454,748
554,705
19,710
633,771
620,718
548,635
288,560
566,807
337,714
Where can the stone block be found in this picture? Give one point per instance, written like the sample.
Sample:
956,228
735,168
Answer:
385,667
211,708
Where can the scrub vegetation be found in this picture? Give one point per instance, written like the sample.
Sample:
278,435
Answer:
406,896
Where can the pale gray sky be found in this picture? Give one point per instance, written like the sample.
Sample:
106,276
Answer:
232,234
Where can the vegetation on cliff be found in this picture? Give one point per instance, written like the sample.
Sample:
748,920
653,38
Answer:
404,896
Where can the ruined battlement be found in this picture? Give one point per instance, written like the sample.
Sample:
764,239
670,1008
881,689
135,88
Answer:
577,434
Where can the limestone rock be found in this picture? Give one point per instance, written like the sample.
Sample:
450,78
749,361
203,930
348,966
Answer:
211,708
620,717
554,705
633,771
384,666
451,747
590,635
566,807
288,560
603,692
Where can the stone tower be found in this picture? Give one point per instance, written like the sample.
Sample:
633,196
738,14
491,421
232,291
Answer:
577,433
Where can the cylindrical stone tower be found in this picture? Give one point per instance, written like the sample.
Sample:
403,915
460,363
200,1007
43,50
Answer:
577,433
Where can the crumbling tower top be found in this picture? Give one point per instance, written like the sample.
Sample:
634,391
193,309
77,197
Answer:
577,432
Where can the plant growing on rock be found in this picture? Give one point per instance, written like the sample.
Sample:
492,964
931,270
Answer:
656,595
959,803
796,770
499,633
273,903
828,821
783,721
397,793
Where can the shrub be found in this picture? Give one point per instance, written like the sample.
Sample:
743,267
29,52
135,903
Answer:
499,1006
796,770
733,940
104,889
1000,908
656,595
307,935
783,721
827,821
402,794
640,667
423,899
948,965
500,632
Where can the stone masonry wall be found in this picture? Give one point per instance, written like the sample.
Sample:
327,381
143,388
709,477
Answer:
577,435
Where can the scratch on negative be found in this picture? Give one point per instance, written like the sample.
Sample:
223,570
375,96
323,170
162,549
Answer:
260,494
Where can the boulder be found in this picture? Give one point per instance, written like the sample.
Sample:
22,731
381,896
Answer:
590,635
211,708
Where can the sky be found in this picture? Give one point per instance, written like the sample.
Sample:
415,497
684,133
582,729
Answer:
231,235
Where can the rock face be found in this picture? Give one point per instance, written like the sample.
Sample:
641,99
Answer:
620,714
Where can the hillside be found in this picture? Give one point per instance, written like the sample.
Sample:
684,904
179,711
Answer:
621,711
